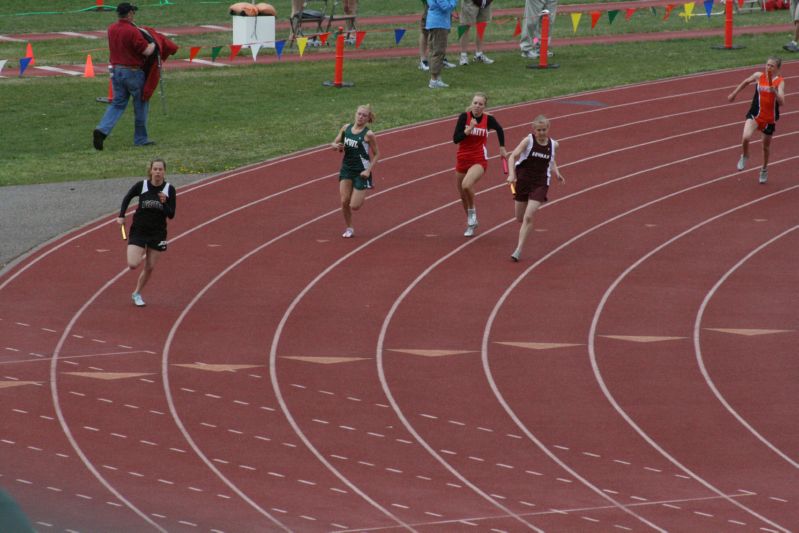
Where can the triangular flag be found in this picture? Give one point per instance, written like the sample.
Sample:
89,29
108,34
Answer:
629,13
193,51
88,70
668,11
23,64
255,48
302,42
461,30
398,34
359,35
740,3
29,54
688,11
2,64
279,47
481,29
708,7
595,18
518,30
215,52
612,15
576,20
234,50
323,37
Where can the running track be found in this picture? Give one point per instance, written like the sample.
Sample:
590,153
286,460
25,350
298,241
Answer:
637,370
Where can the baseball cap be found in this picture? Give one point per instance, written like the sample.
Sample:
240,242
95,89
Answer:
125,7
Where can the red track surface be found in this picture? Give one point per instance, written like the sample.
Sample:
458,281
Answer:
636,371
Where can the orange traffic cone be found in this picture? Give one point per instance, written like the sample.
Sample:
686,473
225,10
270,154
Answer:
88,70
29,53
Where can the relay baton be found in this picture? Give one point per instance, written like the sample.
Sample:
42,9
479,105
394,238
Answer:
505,166
122,229
513,189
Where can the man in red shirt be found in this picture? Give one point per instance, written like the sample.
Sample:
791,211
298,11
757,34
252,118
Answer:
129,50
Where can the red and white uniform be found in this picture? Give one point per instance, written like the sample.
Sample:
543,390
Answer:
472,149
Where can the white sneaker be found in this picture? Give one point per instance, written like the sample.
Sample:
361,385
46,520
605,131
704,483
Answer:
449,64
515,256
471,219
529,54
464,60
763,176
437,84
137,299
348,233
482,58
741,163
469,231
424,65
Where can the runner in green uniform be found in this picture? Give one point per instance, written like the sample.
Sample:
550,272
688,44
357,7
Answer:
359,145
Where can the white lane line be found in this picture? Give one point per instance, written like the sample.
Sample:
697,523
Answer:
701,361
598,374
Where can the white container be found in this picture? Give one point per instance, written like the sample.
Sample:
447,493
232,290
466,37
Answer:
250,30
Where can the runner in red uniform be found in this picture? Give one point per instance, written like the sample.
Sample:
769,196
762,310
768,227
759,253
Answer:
471,134
531,165
764,112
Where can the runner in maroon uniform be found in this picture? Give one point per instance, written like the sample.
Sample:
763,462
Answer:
531,165
471,134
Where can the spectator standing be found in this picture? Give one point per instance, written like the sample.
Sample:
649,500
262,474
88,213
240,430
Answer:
424,63
473,12
793,46
128,52
438,24
530,39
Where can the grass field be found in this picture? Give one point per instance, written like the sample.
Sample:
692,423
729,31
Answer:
218,119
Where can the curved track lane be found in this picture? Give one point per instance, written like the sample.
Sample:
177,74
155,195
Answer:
285,379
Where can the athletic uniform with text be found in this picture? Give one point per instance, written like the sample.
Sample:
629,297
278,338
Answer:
356,158
472,148
149,219
765,110
533,170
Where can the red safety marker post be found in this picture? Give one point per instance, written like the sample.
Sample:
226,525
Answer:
728,28
338,73
543,50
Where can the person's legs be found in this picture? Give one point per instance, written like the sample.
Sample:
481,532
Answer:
119,84
150,258
749,128
438,49
345,193
424,37
467,184
524,215
766,149
135,255
532,9
140,108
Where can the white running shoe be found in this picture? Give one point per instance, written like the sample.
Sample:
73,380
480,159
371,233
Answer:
471,219
137,299
529,54
449,64
469,231
437,84
348,233
480,57
424,65
515,256
741,163
763,176
464,60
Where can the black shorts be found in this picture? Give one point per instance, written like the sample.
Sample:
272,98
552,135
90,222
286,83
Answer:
153,241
